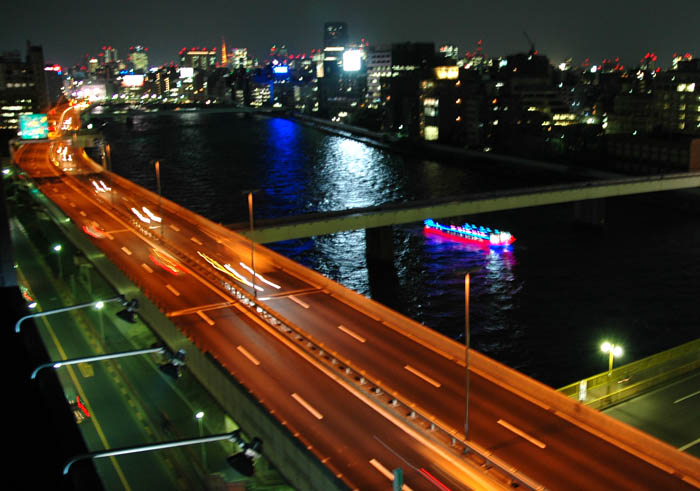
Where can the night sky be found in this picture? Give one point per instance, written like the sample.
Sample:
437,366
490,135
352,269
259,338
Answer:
560,29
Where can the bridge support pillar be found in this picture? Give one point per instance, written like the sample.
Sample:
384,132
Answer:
379,245
381,272
590,212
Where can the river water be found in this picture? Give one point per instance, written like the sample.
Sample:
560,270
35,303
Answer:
542,308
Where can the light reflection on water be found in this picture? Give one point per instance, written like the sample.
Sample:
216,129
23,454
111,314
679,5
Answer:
541,307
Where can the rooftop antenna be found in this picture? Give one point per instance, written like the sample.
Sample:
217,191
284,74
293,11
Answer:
533,51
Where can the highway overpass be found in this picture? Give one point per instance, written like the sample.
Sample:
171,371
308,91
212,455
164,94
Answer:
360,388
312,224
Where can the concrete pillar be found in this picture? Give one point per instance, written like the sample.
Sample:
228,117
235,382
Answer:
590,212
381,272
379,245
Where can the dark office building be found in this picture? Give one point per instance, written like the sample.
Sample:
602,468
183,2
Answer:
23,87
335,34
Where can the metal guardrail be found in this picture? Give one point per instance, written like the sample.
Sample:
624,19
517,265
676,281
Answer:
602,390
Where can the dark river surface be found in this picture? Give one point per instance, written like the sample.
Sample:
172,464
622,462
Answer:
542,308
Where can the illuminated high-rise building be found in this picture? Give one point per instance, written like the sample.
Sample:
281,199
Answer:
239,58
23,87
224,53
138,57
198,58
450,51
107,55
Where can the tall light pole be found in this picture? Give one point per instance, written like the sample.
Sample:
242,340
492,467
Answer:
613,350
119,298
466,343
199,416
252,242
157,166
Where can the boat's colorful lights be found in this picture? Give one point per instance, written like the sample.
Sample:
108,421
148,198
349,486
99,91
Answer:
495,238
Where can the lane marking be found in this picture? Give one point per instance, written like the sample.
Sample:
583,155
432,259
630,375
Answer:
686,397
175,227
521,433
172,290
351,333
72,204
196,240
83,213
387,473
307,406
694,442
205,317
296,300
420,374
126,251
146,267
247,354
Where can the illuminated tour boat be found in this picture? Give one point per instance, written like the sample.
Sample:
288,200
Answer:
471,233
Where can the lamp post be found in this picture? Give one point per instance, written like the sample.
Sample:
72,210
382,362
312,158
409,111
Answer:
90,359
157,166
119,298
199,416
57,249
466,343
613,350
234,436
252,242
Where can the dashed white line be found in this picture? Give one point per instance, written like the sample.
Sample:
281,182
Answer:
205,317
196,240
296,300
521,433
72,204
352,333
686,397
307,406
173,290
420,374
247,354
387,473
174,227
688,445
146,267
126,251
83,213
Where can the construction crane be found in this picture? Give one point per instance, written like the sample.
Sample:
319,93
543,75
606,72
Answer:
533,51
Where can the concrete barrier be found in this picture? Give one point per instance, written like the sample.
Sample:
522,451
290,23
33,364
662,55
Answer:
627,381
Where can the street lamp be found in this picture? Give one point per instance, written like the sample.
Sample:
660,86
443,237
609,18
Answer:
119,298
157,166
57,249
613,350
199,416
466,343
252,242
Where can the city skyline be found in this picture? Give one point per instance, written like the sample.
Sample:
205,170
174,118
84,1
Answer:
597,30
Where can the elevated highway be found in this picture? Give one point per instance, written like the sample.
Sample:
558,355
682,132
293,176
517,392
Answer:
364,388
